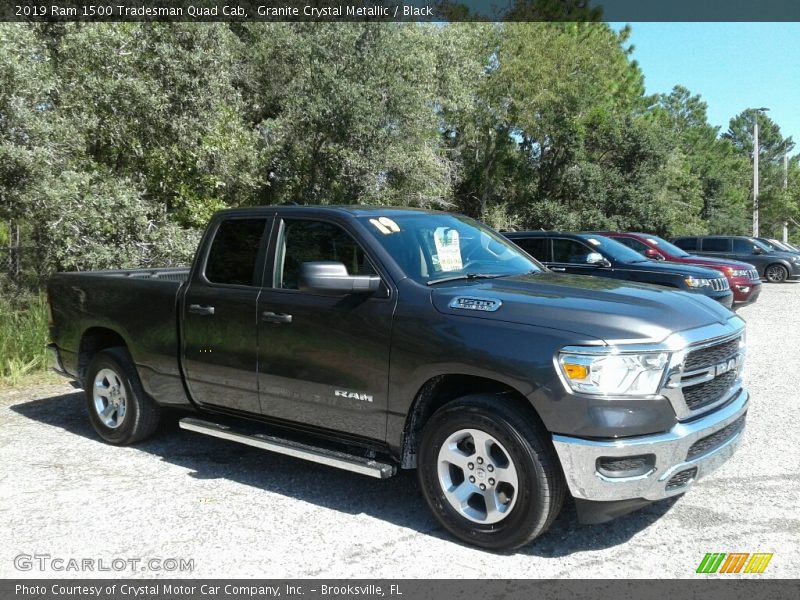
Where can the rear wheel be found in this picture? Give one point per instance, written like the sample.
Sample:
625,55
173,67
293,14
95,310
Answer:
776,273
119,410
489,473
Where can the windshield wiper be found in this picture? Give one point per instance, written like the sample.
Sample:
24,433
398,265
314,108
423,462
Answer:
467,276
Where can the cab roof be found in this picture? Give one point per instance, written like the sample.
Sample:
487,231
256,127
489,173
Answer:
354,210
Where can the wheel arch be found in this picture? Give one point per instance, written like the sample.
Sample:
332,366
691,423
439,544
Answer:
93,341
440,390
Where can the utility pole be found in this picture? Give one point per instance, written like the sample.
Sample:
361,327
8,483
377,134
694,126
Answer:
785,191
755,168
755,176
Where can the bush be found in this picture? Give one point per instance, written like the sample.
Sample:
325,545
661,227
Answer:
97,221
23,337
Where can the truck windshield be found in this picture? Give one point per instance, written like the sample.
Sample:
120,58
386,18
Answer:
667,246
430,246
613,249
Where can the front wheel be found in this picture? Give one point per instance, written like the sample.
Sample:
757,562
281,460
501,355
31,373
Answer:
776,273
489,473
120,411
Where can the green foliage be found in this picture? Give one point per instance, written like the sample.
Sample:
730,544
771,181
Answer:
776,205
156,103
86,221
118,141
23,336
352,120
713,167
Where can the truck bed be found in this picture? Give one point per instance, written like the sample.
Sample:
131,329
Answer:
179,274
138,305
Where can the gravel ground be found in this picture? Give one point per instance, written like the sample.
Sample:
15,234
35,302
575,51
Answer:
241,512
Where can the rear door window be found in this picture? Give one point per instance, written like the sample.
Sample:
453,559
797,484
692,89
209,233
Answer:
716,244
234,252
538,248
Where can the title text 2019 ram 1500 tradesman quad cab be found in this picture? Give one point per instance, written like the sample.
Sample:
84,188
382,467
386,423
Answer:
371,339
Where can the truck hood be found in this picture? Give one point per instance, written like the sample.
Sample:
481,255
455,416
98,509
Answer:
596,307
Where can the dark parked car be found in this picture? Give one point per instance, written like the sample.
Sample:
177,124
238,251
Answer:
778,246
743,278
594,254
773,266
381,339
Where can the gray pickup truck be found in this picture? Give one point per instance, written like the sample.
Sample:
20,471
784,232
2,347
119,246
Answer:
375,339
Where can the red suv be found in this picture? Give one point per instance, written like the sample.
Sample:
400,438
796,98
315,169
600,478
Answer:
742,277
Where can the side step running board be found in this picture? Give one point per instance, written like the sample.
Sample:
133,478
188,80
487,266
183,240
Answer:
323,456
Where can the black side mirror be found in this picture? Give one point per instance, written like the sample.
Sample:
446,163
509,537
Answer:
332,277
757,250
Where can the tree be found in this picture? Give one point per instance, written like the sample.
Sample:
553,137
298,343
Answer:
27,137
354,118
719,171
771,143
156,103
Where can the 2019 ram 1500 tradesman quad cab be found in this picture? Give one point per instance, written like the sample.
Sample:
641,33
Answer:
371,339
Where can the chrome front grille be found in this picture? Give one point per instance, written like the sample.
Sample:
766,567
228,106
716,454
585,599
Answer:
708,392
753,275
720,284
705,376
711,355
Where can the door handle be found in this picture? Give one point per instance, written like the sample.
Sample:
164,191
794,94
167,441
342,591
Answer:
559,269
197,309
271,317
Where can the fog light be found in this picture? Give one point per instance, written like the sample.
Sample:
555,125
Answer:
618,467
743,288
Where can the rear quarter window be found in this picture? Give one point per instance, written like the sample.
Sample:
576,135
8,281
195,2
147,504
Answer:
234,252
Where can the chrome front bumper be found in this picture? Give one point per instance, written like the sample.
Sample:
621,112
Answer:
579,457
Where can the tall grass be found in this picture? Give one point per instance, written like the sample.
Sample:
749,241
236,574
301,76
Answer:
23,336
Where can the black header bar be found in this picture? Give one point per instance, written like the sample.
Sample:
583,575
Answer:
399,10
707,588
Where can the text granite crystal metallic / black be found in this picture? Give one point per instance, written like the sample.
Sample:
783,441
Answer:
374,339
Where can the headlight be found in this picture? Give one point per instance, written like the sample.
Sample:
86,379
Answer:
796,259
739,273
614,374
694,282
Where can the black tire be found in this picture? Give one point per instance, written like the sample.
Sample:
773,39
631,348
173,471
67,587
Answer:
776,273
141,414
541,486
